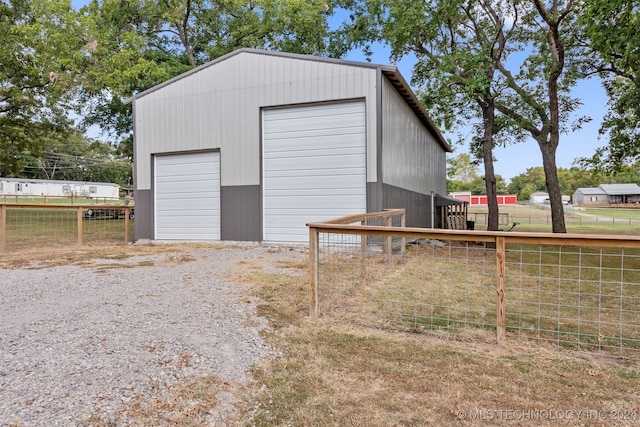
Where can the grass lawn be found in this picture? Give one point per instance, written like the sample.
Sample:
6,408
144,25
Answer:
633,214
578,220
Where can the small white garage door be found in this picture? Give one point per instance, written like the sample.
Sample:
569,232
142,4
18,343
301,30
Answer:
187,196
314,165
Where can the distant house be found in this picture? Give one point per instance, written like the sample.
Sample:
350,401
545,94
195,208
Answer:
607,194
27,187
542,198
589,195
539,198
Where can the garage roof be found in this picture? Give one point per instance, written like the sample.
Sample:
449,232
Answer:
588,191
620,189
389,71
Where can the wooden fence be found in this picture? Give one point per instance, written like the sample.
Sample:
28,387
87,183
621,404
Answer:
572,288
50,231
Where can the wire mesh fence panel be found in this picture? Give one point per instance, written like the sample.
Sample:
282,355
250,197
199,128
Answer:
28,227
433,285
436,287
538,217
576,292
104,230
576,297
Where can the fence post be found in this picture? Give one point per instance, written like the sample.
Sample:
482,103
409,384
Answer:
3,228
501,321
126,226
363,249
80,232
403,223
313,272
387,240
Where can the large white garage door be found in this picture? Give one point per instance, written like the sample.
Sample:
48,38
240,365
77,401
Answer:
314,167
187,196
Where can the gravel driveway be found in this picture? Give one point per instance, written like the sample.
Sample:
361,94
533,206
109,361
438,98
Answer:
83,340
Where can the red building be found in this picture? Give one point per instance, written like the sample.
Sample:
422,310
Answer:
503,199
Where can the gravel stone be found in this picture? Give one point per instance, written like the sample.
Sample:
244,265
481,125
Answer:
82,340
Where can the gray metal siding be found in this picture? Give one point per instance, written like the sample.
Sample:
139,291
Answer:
219,107
417,205
144,215
241,213
374,197
408,146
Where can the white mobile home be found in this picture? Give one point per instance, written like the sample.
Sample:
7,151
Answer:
57,188
256,144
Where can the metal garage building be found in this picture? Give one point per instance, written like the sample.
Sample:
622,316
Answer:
254,145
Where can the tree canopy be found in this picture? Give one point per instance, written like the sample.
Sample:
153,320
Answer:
136,45
509,63
66,70
463,174
611,31
38,83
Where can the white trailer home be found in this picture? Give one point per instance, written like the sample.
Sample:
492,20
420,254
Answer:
55,188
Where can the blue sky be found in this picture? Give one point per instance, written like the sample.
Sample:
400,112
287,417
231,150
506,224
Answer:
515,159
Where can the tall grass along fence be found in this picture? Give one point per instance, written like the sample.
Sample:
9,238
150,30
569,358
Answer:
575,291
24,225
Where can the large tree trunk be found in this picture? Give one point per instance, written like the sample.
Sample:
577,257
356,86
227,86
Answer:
548,151
488,113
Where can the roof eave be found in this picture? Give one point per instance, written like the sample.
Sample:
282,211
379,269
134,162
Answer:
403,88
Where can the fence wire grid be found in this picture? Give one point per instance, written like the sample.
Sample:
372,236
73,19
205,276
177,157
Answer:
580,298
43,227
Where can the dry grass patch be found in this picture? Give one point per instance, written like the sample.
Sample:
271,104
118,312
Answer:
190,402
332,374
46,257
283,309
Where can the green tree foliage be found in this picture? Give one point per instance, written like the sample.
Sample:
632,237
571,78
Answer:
539,92
459,45
39,57
462,168
79,159
611,28
527,183
135,45
468,52
463,174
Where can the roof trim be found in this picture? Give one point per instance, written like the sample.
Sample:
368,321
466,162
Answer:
389,71
403,88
